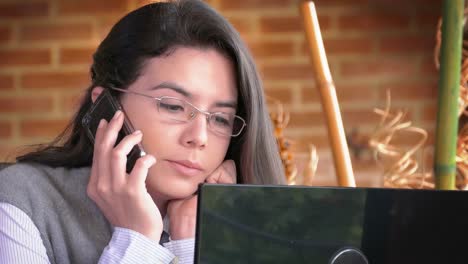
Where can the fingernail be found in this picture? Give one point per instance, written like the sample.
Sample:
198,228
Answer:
137,132
101,123
152,160
117,114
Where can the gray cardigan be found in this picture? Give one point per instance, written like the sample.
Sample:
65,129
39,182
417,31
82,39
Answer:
72,227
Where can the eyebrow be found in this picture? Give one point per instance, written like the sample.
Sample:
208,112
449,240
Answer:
173,86
181,90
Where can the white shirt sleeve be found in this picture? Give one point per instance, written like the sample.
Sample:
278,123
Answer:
21,243
20,239
184,249
128,246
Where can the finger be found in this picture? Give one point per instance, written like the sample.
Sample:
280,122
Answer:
228,174
225,173
94,168
106,145
119,158
139,173
112,130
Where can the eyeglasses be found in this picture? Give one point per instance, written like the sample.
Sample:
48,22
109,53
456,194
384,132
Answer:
171,108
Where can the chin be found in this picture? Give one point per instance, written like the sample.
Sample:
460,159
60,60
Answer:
173,188
180,192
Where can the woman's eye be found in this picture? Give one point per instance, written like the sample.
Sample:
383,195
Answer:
221,121
172,107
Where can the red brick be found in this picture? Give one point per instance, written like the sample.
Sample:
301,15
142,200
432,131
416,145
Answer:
428,20
428,67
55,80
24,57
345,93
25,104
6,129
289,24
91,7
6,82
377,68
70,103
253,4
140,3
42,128
306,119
243,26
5,34
287,72
105,24
357,118
404,3
76,55
351,93
269,49
283,94
373,22
409,90
301,143
56,32
403,6
280,24
24,9
320,3
430,112
407,44
310,94
341,46
363,163
8,153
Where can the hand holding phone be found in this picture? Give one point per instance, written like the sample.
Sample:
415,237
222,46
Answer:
105,107
121,196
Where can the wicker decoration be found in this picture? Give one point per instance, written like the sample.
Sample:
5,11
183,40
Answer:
462,159
280,119
311,167
401,169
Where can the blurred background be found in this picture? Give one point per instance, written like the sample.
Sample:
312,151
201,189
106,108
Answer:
372,46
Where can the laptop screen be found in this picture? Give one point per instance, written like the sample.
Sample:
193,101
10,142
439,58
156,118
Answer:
292,224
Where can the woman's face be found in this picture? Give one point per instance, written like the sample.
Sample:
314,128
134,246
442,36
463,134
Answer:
202,77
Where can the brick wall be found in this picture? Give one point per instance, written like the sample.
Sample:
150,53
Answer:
372,46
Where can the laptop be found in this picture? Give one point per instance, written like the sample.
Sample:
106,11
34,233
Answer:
294,224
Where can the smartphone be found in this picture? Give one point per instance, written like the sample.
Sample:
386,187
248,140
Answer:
105,107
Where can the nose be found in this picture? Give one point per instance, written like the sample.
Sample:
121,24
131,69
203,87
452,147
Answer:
195,133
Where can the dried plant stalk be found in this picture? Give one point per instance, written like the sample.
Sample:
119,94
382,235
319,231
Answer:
326,88
461,158
400,166
311,166
463,99
280,119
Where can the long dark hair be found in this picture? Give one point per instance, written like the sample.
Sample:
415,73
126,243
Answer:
152,31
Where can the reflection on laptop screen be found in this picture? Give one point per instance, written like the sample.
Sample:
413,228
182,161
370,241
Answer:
287,224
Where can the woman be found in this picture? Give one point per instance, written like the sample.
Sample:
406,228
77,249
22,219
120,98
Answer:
191,90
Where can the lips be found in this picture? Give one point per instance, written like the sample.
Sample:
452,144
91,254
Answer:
186,167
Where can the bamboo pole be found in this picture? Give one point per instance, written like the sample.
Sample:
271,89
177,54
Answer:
449,81
326,87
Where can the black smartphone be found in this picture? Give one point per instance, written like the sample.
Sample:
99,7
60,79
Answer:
105,107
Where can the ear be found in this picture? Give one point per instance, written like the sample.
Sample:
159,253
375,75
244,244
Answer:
96,92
